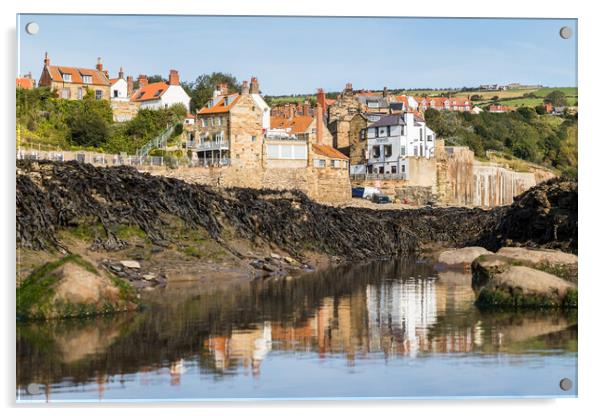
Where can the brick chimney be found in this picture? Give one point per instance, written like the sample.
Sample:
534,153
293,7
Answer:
319,124
130,81
322,98
245,87
174,78
99,64
306,108
120,72
46,59
254,86
385,92
349,87
142,81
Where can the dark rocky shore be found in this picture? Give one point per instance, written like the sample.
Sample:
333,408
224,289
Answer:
144,215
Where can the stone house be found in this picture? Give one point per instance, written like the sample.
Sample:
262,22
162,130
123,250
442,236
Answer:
229,130
160,94
72,83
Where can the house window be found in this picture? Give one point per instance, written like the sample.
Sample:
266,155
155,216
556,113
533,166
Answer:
65,93
219,121
393,169
115,93
402,150
420,134
335,163
87,79
67,77
80,93
376,152
204,122
429,138
362,134
415,151
99,94
319,163
381,169
253,138
403,168
388,150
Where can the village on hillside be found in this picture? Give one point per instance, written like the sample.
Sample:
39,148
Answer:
375,145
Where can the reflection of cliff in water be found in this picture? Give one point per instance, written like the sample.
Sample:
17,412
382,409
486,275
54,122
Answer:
393,308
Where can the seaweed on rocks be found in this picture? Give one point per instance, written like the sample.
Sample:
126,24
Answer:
55,195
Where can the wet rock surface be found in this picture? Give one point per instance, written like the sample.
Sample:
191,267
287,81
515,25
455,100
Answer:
460,258
131,271
504,282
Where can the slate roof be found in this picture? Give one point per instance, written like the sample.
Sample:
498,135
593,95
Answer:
392,120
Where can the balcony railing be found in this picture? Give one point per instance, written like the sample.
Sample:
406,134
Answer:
376,176
218,145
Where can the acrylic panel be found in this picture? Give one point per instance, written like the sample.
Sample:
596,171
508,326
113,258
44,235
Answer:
231,207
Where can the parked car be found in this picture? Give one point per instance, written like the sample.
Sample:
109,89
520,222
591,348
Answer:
380,199
364,192
357,192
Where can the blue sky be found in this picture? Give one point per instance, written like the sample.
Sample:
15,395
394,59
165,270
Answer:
298,55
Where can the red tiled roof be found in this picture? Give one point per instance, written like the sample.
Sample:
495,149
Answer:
150,92
25,83
297,124
56,74
112,81
330,101
190,116
220,106
328,151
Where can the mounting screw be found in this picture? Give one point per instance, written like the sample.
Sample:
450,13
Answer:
566,384
32,28
566,32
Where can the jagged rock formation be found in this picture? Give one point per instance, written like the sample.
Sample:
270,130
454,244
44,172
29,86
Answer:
545,217
53,195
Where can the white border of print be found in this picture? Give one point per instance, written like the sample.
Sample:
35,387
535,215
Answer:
589,171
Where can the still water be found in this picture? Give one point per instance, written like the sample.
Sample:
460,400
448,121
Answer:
379,330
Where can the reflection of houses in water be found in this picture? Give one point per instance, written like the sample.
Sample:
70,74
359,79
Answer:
399,314
248,347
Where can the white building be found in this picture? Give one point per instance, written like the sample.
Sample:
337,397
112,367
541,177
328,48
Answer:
394,138
119,87
160,94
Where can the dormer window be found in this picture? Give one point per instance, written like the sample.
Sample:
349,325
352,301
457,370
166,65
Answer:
87,79
67,77
158,93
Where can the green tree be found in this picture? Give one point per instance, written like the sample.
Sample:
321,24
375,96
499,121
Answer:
201,90
556,98
88,129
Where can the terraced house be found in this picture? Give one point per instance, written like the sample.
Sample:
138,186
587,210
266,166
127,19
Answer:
230,128
72,83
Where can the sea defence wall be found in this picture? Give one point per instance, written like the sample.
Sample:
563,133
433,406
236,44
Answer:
455,177
320,184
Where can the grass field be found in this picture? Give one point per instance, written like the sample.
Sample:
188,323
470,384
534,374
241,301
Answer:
512,97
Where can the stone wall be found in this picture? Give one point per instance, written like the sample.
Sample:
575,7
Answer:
321,184
124,110
495,185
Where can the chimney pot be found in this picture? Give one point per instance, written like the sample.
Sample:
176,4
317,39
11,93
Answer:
46,59
99,64
245,88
